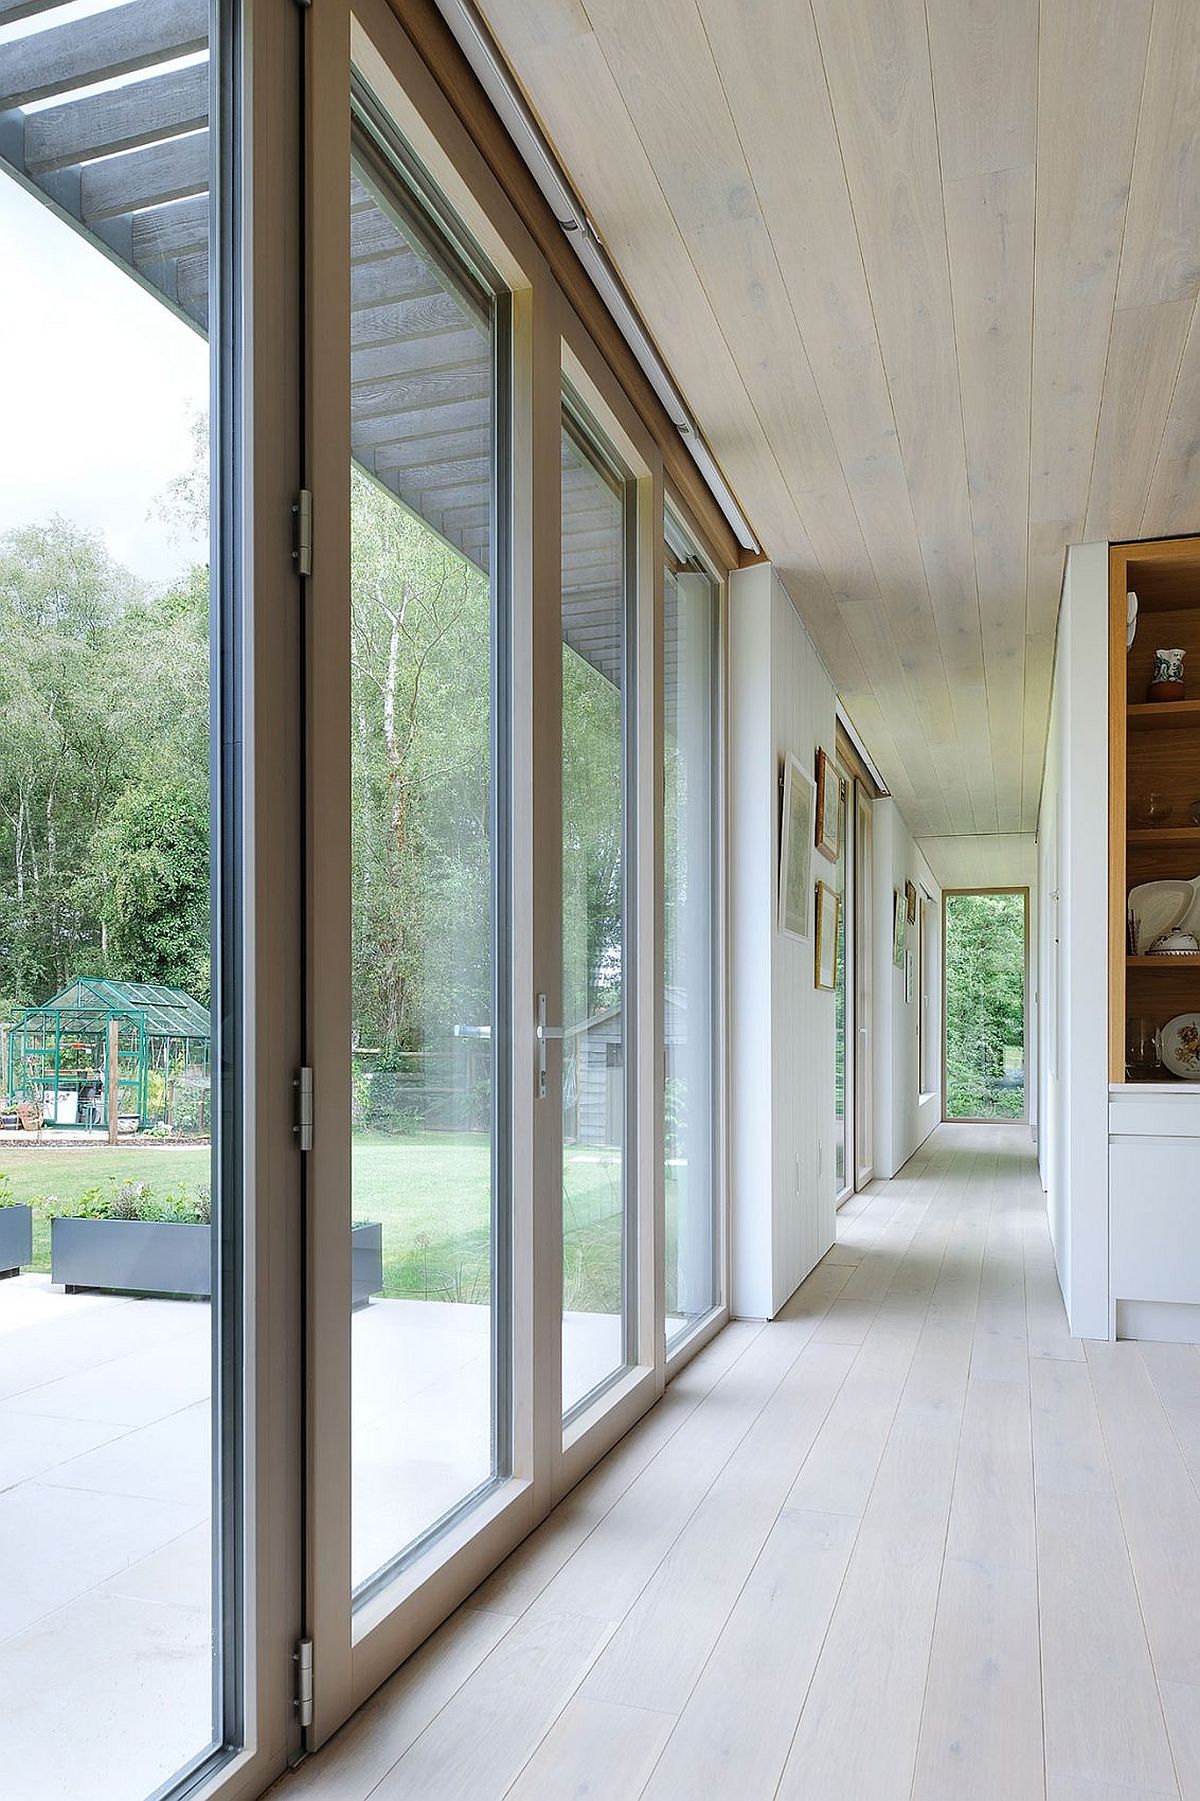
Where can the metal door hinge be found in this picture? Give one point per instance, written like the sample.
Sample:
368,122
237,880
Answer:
302,1659
303,1127
302,532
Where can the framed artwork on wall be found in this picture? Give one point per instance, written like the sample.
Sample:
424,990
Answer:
910,895
795,850
829,913
899,928
829,806
908,973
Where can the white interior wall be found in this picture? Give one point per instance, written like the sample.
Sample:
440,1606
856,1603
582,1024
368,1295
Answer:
1072,946
781,1025
904,1116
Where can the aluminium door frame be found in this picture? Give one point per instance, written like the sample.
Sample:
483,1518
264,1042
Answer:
256,392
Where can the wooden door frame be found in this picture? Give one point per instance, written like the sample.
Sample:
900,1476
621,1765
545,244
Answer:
849,927
355,1650
864,959
1022,888
688,1343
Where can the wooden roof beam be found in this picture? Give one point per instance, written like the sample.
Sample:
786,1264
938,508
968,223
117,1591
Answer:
177,169
142,112
96,48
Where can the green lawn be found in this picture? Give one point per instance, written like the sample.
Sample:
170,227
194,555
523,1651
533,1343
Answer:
43,1174
431,1191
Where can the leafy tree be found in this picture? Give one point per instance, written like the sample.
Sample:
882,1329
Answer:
103,686
420,780
592,848
985,1005
61,745
151,860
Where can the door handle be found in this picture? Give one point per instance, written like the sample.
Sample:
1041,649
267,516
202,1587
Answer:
544,1034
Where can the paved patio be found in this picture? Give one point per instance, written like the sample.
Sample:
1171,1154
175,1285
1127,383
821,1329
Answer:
105,1503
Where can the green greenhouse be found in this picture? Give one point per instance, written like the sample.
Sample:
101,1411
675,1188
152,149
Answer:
59,1056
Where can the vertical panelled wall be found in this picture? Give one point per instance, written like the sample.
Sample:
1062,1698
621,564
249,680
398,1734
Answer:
1072,940
781,1025
904,1116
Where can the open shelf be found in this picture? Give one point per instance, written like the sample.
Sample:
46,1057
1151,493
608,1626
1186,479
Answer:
1163,715
1154,749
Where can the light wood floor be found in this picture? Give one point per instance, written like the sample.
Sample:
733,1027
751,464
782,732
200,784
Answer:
909,1540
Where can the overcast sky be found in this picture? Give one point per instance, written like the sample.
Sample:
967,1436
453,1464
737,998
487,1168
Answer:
98,384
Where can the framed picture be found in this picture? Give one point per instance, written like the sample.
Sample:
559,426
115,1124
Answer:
795,850
908,973
899,928
829,806
910,895
829,913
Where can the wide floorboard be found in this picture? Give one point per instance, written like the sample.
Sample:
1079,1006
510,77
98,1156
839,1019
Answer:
909,1542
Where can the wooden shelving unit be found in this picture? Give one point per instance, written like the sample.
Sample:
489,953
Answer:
1163,715
1154,748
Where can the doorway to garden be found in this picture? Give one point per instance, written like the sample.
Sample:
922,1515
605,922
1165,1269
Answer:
985,1004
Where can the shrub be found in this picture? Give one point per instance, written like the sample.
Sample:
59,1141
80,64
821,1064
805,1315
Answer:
135,1200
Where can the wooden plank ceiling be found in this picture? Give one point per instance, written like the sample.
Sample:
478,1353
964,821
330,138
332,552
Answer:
995,859
927,272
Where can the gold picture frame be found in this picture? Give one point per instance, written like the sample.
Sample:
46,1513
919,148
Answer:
829,914
829,806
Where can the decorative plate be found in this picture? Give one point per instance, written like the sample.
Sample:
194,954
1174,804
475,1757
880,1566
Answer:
1191,919
1180,1046
1157,908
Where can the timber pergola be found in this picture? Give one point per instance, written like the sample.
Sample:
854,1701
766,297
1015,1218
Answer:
128,168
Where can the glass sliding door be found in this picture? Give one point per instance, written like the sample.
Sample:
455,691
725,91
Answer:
598,521
481,1237
844,999
929,1045
864,978
121,1326
428,1198
691,625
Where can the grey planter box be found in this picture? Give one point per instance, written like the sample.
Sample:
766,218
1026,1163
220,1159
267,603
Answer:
132,1256
144,1256
366,1262
16,1238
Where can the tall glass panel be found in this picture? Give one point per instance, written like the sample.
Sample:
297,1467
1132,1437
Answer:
596,525
690,625
427,342
119,1191
843,1074
985,1005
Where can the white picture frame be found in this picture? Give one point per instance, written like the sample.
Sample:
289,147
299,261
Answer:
796,830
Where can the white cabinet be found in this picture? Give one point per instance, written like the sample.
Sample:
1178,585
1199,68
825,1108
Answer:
1154,1214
